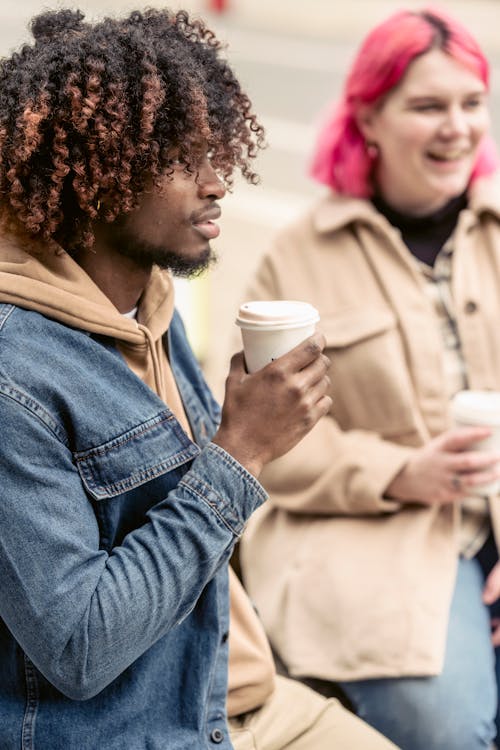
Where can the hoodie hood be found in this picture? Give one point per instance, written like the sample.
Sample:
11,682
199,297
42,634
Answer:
60,289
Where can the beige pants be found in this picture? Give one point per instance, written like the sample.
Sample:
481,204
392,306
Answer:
297,718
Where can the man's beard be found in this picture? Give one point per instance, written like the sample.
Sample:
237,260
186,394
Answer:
145,255
189,268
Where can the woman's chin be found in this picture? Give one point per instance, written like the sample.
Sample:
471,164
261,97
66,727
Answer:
445,189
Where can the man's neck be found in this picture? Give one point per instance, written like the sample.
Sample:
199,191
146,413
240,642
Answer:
117,276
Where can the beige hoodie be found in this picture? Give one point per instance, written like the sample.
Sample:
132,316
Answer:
60,289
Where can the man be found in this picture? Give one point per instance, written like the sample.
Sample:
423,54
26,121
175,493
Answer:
123,487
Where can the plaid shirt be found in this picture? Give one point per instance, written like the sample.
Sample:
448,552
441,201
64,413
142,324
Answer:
475,524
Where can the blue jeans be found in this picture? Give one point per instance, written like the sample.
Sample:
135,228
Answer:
458,709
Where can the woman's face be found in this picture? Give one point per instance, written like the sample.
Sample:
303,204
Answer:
427,132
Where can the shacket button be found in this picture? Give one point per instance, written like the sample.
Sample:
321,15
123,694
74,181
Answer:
470,307
217,735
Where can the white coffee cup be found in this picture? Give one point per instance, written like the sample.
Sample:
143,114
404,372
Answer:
480,409
272,328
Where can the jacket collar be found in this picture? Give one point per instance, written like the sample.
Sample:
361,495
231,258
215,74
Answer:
485,195
334,211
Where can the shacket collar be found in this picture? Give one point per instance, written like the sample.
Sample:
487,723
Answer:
334,211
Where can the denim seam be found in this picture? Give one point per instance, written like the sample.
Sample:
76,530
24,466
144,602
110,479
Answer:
212,506
236,466
34,408
5,311
32,698
135,480
102,450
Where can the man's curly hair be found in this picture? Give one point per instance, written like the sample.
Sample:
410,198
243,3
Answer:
91,113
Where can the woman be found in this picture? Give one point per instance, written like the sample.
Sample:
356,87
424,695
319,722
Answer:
374,565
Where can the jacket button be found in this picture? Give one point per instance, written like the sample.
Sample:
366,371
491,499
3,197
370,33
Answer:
470,307
217,735
224,638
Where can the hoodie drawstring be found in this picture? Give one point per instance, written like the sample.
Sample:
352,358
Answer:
154,358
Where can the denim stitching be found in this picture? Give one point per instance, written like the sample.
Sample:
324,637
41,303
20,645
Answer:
235,465
199,485
135,480
5,311
35,409
205,490
127,437
32,698
212,507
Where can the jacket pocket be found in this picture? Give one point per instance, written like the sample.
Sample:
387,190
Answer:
140,454
371,384
353,326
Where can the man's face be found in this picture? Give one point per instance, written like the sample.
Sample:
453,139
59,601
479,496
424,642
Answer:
172,227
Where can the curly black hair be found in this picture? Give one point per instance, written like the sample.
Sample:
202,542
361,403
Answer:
91,113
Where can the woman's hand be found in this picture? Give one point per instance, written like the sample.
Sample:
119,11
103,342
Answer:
446,470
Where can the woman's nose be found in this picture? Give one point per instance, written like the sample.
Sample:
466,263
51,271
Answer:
455,122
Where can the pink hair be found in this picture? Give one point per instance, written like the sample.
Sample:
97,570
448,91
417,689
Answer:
341,159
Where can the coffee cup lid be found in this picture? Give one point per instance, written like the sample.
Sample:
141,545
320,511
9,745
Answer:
276,314
477,407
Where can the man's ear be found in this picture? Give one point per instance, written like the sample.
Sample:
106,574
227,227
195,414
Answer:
364,120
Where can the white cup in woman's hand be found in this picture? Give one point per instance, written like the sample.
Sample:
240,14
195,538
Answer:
480,409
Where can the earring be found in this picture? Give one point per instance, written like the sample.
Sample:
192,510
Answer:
371,150
98,205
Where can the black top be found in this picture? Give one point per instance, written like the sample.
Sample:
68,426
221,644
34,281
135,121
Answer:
424,235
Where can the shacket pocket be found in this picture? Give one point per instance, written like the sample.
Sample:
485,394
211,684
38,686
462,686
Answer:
137,456
371,383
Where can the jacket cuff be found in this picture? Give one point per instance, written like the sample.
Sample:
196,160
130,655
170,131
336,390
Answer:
226,486
386,461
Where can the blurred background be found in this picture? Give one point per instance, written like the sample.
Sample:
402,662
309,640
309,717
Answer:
290,56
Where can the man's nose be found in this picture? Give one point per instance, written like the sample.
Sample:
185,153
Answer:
209,183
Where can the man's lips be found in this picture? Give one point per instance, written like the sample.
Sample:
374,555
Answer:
203,222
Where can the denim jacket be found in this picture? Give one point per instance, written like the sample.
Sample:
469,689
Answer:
115,533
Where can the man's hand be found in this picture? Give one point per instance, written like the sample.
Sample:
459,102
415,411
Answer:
446,470
267,413
491,594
